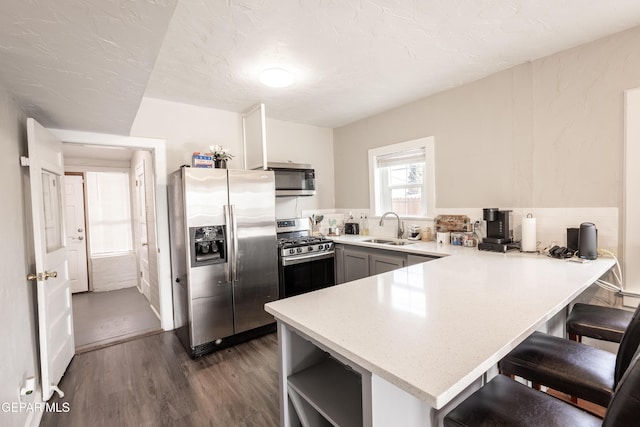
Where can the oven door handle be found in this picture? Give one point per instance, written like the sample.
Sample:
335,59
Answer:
306,258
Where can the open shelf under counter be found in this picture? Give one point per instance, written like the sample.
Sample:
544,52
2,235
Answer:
331,389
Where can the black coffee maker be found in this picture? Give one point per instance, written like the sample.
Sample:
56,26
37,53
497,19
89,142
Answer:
498,232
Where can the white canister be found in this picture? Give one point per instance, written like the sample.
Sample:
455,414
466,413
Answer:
529,242
443,238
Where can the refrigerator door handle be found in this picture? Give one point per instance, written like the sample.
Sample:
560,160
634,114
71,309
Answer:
227,265
235,242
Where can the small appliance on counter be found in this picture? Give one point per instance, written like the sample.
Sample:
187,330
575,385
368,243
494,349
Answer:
415,232
351,228
588,241
498,232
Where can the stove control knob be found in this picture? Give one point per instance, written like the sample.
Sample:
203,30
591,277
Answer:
291,251
327,246
320,247
299,250
309,248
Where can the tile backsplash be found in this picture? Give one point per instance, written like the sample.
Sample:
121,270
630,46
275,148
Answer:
551,223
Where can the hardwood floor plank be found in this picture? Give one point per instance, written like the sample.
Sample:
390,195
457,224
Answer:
151,381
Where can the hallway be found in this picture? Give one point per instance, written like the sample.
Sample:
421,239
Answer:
105,318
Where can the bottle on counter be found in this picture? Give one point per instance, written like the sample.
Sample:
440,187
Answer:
364,227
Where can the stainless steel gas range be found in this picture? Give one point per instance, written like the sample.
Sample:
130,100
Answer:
306,263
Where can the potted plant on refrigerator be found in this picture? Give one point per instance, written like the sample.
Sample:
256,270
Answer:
220,156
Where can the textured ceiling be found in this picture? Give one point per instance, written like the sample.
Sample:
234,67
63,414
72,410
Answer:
81,64
85,64
356,58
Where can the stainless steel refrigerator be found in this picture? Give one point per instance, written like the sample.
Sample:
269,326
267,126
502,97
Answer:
223,255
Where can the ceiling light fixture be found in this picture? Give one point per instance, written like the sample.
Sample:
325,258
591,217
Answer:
276,77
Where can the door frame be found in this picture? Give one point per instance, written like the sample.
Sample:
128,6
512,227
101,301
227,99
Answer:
631,199
138,245
157,147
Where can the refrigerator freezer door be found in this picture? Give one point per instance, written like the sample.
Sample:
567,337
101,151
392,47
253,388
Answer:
210,294
252,197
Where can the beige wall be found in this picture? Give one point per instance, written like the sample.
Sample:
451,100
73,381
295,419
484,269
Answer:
287,141
188,128
543,134
18,352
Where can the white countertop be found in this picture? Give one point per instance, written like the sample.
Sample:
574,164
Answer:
432,329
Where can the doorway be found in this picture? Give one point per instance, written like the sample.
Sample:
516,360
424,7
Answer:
111,186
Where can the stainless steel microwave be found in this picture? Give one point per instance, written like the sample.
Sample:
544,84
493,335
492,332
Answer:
293,179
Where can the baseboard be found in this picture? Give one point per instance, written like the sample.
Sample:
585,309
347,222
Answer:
630,299
34,417
156,312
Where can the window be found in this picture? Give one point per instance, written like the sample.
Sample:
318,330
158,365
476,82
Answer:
402,178
109,208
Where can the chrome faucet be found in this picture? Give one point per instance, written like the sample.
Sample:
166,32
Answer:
400,231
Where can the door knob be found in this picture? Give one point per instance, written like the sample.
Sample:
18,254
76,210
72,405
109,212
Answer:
80,238
80,230
145,244
48,274
41,276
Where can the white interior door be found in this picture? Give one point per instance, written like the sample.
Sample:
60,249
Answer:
142,246
75,233
55,317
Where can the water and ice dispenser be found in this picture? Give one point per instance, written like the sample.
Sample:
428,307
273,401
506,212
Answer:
207,245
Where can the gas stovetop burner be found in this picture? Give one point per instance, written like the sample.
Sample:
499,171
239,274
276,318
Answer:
304,245
293,242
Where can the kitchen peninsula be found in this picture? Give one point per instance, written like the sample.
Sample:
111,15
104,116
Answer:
404,347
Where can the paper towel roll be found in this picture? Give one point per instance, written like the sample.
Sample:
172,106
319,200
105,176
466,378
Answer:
529,242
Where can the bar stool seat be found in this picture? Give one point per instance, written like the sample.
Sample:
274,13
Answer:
567,366
504,402
599,322
571,367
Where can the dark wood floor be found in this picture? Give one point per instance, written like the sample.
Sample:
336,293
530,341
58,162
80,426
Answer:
151,381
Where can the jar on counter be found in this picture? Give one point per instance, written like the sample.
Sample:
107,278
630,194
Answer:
469,239
457,238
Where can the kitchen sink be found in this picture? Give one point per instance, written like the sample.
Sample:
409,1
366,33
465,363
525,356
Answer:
388,242
383,241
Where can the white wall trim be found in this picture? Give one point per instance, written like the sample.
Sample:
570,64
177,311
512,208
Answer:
428,142
159,153
631,195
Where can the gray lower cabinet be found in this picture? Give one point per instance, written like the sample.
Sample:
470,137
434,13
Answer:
383,262
355,262
413,259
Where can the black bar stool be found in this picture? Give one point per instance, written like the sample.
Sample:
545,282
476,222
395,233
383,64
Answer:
504,402
571,367
596,321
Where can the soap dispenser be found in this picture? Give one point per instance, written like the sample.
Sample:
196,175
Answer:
364,230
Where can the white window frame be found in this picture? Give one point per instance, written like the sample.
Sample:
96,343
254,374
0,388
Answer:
91,210
429,184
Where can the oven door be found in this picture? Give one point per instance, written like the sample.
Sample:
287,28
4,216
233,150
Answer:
306,273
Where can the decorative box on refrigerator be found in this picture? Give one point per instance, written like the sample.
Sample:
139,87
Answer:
223,255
